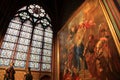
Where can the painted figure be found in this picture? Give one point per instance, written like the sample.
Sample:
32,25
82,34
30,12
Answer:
10,72
28,75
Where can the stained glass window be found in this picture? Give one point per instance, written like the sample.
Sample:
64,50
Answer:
28,40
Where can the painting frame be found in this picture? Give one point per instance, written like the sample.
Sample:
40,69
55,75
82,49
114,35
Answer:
110,25
113,14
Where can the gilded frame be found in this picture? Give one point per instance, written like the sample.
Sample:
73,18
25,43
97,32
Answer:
65,30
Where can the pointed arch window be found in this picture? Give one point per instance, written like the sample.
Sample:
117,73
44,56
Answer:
28,40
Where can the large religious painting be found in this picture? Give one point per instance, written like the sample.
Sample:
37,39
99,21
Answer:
88,46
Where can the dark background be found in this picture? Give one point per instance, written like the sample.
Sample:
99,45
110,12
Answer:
58,10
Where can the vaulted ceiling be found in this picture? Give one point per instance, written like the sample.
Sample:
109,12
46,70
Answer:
58,10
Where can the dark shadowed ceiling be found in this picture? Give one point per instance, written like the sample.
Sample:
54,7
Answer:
58,10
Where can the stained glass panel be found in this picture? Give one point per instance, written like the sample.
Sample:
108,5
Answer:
48,29
12,31
34,65
35,58
46,52
37,44
19,63
46,59
16,20
47,46
27,23
38,38
6,53
24,41
44,22
21,56
26,29
35,50
47,34
25,35
37,31
24,15
39,26
22,48
47,40
10,38
46,67
7,45
15,25
4,62
18,43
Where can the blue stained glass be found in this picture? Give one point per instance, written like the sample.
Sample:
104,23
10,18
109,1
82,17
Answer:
46,59
47,52
21,56
35,50
25,35
7,45
46,67
35,58
10,38
6,53
12,31
24,41
19,63
4,62
48,40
